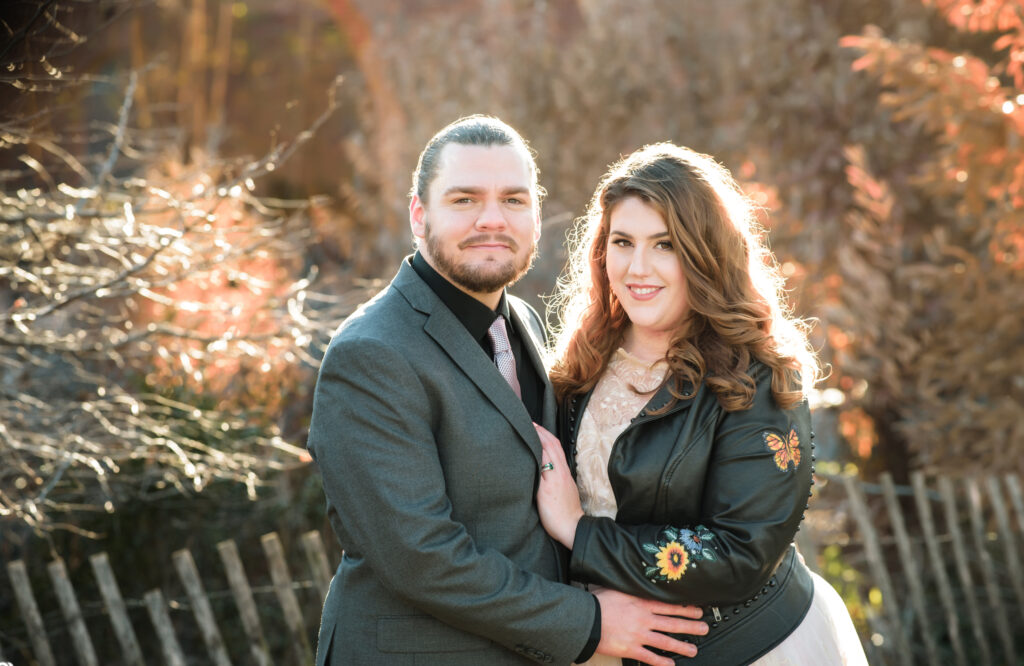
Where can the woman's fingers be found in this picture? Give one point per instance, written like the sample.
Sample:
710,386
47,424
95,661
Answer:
550,446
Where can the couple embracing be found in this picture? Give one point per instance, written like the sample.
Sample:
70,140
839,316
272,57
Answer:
635,501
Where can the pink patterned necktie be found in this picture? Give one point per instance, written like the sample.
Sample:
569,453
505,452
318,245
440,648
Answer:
503,357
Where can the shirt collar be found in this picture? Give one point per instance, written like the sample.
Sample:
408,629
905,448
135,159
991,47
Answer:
473,314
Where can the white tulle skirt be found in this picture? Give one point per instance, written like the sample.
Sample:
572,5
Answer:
826,637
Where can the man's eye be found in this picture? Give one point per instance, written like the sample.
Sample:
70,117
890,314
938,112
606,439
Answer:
515,201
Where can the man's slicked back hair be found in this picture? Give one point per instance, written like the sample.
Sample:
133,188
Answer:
475,130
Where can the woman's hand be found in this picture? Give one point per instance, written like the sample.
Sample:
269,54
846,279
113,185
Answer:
558,501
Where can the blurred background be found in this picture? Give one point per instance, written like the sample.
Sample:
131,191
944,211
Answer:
196,192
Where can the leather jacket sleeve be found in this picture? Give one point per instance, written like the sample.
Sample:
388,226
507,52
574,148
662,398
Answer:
719,546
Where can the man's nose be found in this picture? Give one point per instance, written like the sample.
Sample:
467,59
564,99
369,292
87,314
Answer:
492,216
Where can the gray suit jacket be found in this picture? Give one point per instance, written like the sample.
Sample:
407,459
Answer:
430,465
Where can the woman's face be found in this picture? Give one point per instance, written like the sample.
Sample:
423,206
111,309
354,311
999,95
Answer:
644,271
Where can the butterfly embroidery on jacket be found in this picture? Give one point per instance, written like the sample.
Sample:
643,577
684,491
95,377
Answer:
787,449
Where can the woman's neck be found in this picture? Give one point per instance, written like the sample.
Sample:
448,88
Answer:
646,345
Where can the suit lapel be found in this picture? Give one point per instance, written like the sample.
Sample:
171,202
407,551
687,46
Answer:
533,346
443,327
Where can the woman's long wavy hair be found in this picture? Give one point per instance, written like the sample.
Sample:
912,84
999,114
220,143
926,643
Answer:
737,310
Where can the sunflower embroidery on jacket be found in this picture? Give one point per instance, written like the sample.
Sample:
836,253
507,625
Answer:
677,550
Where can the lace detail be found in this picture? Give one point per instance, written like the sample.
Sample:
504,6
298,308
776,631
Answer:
611,407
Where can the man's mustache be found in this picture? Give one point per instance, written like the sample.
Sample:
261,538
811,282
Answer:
490,238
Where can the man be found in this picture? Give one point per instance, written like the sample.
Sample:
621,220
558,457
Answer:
422,430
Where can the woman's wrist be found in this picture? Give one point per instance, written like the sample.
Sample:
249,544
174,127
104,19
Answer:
568,537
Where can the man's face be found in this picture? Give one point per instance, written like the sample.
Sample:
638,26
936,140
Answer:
482,221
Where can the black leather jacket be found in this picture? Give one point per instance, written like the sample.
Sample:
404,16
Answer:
708,504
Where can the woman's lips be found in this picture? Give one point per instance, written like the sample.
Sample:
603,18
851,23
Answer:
643,292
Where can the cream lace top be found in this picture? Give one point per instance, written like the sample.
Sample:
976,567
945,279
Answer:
611,407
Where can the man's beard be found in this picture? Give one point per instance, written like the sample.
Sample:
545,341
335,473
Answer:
487,278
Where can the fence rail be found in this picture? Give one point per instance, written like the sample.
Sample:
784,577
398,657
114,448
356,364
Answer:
946,560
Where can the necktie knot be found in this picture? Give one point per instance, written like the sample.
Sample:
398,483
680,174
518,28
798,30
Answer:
499,336
503,357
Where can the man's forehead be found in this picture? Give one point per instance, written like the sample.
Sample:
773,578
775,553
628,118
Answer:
460,160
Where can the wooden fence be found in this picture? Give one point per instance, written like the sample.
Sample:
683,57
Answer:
952,587
50,647
946,560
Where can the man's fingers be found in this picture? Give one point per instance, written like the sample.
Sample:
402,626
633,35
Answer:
663,608
648,657
673,645
676,625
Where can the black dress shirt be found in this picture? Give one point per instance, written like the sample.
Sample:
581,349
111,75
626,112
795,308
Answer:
477,318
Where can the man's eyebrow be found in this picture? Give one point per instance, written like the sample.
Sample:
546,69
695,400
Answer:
469,189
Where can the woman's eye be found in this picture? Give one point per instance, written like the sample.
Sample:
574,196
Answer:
621,242
664,245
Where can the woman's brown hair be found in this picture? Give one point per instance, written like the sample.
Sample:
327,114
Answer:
737,311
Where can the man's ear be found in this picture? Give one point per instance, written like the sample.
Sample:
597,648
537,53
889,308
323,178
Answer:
417,217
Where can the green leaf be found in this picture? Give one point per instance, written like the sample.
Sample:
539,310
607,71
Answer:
651,548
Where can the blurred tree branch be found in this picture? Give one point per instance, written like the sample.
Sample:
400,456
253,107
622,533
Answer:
154,318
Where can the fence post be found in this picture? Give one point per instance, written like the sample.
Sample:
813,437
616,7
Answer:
960,555
243,599
317,558
924,510
116,609
189,575
286,595
169,645
876,561
30,612
988,572
1013,555
909,568
1013,483
72,613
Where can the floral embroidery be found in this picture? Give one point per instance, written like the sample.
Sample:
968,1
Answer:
672,559
677,550
787,449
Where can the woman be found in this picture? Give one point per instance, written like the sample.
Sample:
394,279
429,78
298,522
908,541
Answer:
683,382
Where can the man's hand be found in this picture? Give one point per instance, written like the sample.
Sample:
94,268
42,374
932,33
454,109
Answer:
630,625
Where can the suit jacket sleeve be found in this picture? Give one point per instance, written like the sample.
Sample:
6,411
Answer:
752,503
372,437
